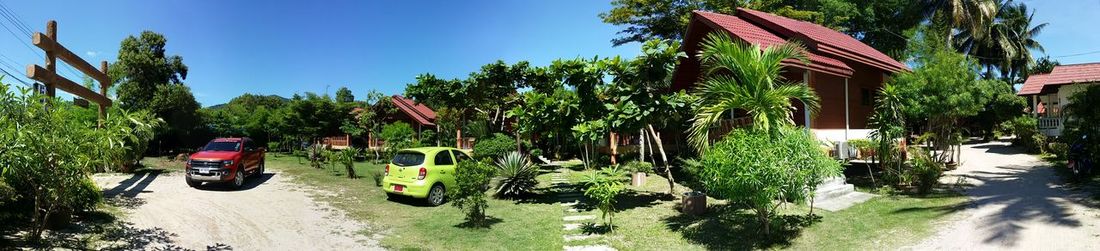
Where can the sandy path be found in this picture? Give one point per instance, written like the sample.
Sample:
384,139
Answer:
269,213
1017,203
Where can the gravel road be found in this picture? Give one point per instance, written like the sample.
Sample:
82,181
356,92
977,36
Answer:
1017,203
269,213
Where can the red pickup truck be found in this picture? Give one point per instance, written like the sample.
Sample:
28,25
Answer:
225,160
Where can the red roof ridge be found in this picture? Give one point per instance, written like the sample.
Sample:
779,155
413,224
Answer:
823,39
1077,64
420,112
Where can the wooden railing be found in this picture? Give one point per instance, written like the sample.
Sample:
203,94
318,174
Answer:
337,142
727,125
1050,122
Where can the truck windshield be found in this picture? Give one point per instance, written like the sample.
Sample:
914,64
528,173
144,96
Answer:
223,146
408,158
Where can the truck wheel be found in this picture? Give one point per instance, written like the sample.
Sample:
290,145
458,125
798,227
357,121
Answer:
238,179
260,170
192,183
436,195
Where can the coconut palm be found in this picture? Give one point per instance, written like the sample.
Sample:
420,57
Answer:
1004,44
746,77
962,15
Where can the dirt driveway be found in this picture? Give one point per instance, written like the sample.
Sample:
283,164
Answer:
1017,202
269,213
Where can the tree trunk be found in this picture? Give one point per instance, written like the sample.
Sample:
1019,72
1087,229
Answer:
613,143
641,145
664,160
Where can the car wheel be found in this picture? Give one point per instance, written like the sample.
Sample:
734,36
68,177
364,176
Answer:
193,183
436,195
238,180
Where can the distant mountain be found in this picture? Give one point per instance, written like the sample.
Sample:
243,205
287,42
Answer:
254,100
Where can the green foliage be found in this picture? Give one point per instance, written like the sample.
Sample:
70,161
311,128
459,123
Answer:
1026,129
472,181
925,169
747,77
1059,149
346,158
639,167
262,118
148,79
862,143
315,116
316,155
46,153
761,171
494,148
1082,114
85,196
397,135
343,95
602,188
518,175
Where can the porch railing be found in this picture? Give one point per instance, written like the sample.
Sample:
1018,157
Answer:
1050,122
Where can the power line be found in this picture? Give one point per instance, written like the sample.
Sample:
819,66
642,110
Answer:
14,19
1078,54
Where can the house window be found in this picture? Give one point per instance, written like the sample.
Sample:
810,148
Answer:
865,97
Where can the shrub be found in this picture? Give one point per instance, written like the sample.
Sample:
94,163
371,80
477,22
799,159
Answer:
1026,129
602,188
85,196
347,159
472,181
398,135
762,170
494,147
926,170
639,167
518,173
1059,149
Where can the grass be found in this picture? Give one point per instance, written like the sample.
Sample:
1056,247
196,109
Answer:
532,224
649,219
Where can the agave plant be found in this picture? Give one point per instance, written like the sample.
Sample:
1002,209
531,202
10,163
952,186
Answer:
518,173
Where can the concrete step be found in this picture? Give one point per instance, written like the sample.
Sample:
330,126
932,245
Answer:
833,192
570,204
577,237
579,218
589,248
834,181
571,226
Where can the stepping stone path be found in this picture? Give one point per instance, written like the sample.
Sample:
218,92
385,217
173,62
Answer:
575,218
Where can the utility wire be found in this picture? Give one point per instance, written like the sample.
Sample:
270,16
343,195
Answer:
1078,54
14,19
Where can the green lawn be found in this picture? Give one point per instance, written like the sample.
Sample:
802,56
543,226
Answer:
649,220
533,224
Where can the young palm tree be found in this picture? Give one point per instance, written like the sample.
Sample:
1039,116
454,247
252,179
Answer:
737,75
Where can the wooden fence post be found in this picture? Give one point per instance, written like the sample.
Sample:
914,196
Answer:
51,61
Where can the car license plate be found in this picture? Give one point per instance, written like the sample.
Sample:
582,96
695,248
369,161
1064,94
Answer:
204,171
398,188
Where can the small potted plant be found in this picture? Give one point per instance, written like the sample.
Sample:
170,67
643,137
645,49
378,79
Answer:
639,170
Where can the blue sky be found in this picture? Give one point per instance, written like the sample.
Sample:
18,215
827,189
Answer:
287,47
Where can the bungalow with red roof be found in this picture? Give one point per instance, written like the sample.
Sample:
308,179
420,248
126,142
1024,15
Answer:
844,72
417,115
1049,93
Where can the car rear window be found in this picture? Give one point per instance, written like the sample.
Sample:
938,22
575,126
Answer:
223,146
408,158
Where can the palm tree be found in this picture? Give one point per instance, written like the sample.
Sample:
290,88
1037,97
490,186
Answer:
1005,44
746,77
970,16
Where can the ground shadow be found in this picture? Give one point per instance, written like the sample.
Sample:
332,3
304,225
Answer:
1027,193
134,185
590,228
249,183
633,199
102,231
485,224
728,228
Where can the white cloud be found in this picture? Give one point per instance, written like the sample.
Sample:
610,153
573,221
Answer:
92,53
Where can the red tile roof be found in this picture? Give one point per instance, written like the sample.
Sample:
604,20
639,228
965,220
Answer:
825,44
826,40
1061,75
754,34
421,113
1033,85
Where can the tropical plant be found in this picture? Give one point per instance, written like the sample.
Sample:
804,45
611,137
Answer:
518,175
639,167
1005,42
346,158
1081,117
925,169
495,147
1026,130
589,132
602,188
472,181
397,135
747,77
762,171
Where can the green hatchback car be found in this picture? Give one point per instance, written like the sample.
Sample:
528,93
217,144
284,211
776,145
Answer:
425,172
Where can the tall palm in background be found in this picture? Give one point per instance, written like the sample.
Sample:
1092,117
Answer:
1000,40
970,16
747,77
